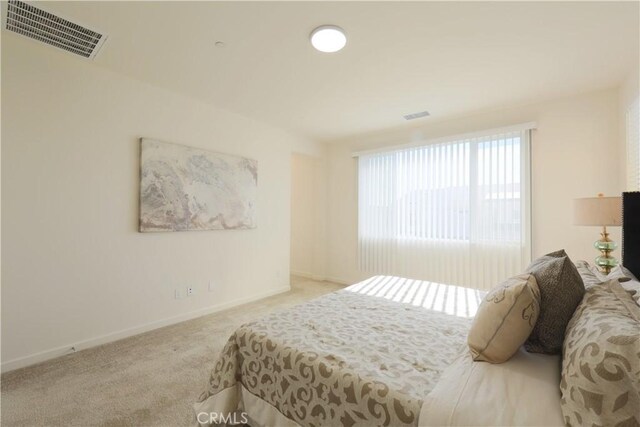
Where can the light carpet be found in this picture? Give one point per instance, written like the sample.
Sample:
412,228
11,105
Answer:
144,380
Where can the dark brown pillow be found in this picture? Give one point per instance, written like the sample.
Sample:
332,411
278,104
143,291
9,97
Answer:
561,290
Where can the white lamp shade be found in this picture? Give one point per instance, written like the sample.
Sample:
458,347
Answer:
597,211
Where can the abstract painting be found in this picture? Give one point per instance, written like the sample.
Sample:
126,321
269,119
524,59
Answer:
184,188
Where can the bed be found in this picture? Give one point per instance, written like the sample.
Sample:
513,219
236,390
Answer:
386,351
367,355
356,356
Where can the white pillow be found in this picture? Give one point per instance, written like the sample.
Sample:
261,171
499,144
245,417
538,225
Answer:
523,391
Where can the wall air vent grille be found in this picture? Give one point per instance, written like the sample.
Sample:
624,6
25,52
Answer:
416,115
35,23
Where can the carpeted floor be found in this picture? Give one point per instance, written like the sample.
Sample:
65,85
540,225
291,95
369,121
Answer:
149,379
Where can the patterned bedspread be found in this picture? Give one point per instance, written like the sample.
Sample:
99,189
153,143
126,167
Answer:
343,359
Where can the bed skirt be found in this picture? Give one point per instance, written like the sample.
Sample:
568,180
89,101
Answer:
235,406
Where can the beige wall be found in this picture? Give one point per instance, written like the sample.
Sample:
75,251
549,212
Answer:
629,92
308,216
77,273
75,270
576,152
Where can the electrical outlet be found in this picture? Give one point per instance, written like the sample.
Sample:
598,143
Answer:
190,291
212,286
179,294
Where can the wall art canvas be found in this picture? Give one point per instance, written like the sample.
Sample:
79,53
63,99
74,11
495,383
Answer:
184,188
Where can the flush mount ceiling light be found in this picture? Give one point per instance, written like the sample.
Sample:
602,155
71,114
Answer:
328,38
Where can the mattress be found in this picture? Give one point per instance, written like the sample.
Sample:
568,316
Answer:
366,355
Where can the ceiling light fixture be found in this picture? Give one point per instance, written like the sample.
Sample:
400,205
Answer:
328,38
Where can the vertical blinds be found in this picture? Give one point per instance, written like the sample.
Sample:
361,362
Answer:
633,146
455,212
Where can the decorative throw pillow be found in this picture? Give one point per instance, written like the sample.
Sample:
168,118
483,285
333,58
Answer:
600,366
561,290
625,271
589,278
592,277
617,272
505,319
633,288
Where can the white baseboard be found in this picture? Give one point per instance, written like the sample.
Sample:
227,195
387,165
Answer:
42,356
309,276
339,280
321,278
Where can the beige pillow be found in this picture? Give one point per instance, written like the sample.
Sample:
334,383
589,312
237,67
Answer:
505,319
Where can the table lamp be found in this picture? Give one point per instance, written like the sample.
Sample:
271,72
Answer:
600,211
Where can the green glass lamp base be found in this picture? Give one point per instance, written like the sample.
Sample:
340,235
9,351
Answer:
605,261
605,245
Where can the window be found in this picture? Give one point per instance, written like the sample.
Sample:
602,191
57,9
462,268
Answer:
633,146
456,212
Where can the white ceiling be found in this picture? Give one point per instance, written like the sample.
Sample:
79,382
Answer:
449,58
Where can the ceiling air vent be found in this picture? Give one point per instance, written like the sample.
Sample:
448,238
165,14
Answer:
35,23
416,115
